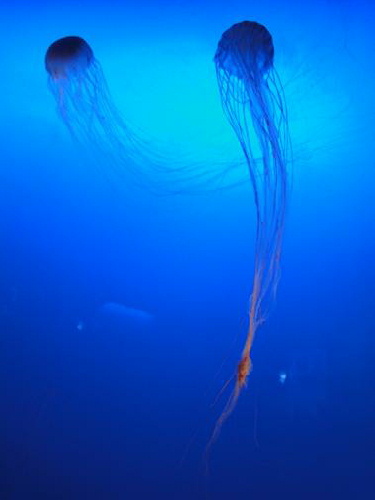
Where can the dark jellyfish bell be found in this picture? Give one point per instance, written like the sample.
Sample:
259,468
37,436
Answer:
245,48
67,55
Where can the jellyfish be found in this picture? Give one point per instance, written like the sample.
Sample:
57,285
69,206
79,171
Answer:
85,105
124,316
253,101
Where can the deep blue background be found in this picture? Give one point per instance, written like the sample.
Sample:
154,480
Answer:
103,407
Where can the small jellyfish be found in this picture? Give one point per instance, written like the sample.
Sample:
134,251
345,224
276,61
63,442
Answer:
253,101
79,87
124,316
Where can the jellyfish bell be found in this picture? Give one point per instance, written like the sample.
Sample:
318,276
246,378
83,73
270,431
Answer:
68,56
246,49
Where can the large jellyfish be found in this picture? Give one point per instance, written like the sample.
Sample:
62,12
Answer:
85,105
253,101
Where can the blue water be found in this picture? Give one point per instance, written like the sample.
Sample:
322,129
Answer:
123,312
